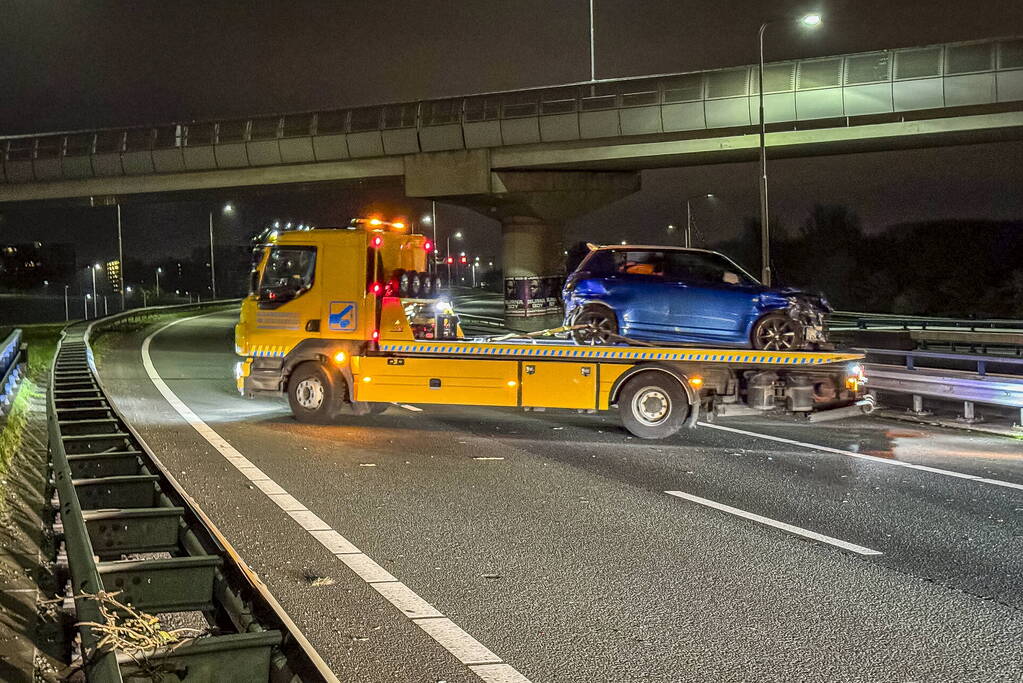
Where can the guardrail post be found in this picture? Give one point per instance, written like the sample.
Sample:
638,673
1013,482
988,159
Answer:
981,367
969,416
918,406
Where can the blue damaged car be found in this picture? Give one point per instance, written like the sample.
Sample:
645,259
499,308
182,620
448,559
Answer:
689,296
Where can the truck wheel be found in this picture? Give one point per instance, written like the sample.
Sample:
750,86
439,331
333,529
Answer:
653,405
315,395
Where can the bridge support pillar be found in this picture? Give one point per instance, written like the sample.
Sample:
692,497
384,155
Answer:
532,207
532,254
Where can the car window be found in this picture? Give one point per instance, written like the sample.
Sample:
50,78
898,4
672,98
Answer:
600,262
287,275
645,263
704,267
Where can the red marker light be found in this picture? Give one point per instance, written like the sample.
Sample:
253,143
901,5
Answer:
451,259
427,245
376,288
377,241
463,260
376,335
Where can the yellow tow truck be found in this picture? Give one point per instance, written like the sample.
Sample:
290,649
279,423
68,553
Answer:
352,320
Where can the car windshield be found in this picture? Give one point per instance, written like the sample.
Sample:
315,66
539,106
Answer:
288,273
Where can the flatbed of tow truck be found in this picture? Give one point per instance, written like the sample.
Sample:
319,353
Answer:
367,336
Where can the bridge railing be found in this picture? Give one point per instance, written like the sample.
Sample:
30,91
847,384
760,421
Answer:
862,87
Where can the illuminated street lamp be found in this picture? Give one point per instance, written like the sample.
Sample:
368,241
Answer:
67,310
457,236
812,20
158,271
95,298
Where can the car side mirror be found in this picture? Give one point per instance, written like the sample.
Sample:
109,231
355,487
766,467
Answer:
730,278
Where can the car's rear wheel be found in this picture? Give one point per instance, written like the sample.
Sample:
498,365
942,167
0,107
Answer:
777,332
601,325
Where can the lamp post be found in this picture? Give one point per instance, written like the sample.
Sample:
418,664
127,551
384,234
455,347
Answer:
95,298
458,236
67,309
120,258
809,20
228,209
158,271
689,216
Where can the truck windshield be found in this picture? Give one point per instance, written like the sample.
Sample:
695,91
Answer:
288,274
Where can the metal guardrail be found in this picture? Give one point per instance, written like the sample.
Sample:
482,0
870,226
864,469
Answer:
13,357
866,321
118,507
913,377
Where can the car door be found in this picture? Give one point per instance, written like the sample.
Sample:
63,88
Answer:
642,298
710,301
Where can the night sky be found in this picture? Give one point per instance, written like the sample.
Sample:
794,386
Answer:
82,65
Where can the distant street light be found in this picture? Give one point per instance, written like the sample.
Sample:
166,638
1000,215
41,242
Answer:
689,216
812,21
95,298
457,236
229,208
67,309
158,271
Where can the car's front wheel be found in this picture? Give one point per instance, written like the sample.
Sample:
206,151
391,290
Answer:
777,332
601,326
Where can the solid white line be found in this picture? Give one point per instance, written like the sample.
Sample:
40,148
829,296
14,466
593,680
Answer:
467,649
845,545
864,456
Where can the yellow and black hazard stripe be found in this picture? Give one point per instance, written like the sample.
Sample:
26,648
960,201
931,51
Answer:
611,353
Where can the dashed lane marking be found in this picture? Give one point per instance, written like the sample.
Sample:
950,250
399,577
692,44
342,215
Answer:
799,531
476,656
873,458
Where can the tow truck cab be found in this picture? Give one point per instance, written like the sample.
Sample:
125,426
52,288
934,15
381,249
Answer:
350,320
317,293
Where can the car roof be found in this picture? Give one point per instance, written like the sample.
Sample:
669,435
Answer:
652,247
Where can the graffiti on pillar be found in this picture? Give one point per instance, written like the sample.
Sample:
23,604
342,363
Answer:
531,296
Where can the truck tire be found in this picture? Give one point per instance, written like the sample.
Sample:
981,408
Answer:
315,394
653,405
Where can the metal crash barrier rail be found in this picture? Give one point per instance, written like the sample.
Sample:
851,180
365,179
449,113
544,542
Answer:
918,377
13,357
135,540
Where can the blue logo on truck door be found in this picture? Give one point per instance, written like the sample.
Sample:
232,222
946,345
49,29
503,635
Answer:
342,316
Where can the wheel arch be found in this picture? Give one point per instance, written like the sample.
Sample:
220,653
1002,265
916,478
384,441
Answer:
675,373
320,351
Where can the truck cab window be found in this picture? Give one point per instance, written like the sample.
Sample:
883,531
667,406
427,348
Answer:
287,275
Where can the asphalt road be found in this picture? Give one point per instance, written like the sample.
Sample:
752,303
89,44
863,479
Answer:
550,538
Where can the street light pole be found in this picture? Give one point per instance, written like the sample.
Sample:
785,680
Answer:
689,223
810,20
158,271
433,221
765,233
213,271
120,257
67,309
95,298
593,53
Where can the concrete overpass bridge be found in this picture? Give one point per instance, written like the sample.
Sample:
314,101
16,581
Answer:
535,158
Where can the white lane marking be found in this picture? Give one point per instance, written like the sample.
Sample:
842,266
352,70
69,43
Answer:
402,597
457,642
406,406
874,458
498,673
845,545
464,647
